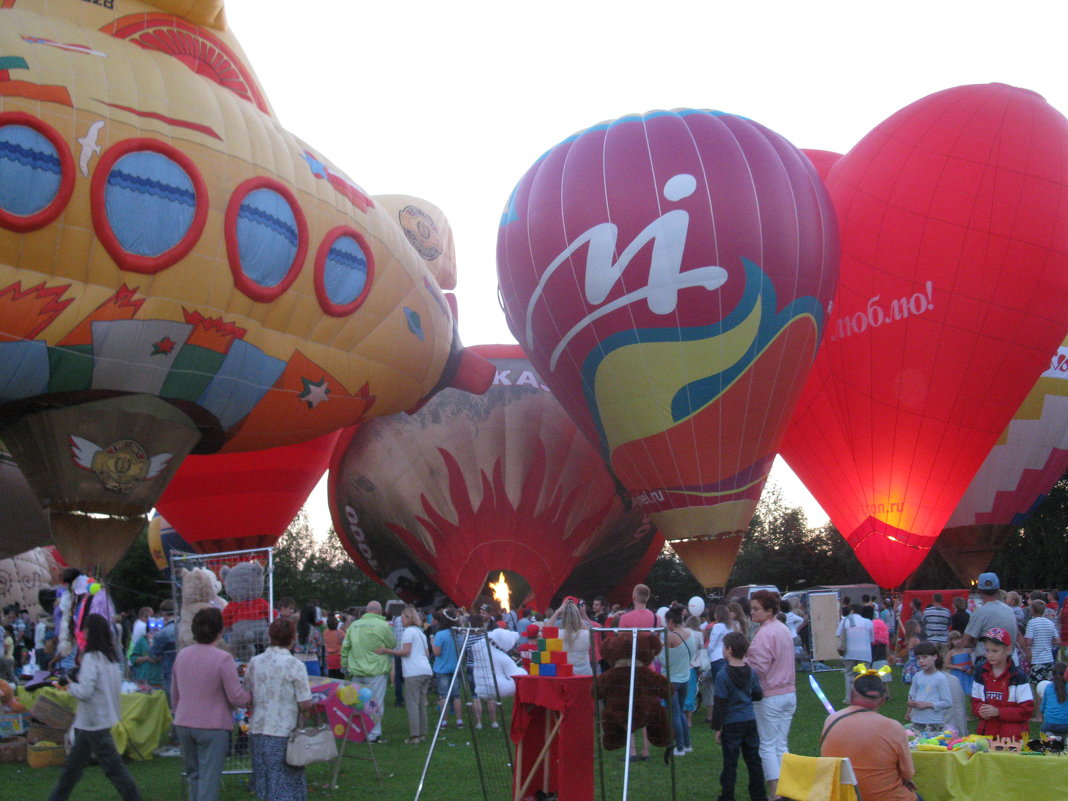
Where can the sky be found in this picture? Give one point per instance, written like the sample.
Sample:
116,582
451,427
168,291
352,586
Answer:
453,102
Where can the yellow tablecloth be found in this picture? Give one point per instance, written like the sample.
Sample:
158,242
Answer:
144,720
954,776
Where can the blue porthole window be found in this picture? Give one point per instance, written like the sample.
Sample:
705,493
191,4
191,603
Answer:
36,172
344,271
149,204
266,238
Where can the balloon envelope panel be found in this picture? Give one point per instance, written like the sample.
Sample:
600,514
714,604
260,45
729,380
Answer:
1029,458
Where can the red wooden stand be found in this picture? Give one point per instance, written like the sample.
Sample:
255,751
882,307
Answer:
552,727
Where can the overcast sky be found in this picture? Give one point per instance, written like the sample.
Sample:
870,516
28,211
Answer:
453,102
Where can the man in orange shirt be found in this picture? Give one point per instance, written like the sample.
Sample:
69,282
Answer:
877,746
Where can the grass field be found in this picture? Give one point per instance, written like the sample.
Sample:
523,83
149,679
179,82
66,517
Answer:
454,773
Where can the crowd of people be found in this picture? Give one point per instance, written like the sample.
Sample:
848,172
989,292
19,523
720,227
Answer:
995,661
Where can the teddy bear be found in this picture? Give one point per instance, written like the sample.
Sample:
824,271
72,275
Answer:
650,688
200,589
248,614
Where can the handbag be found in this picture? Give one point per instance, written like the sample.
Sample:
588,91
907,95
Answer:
843,641
311,744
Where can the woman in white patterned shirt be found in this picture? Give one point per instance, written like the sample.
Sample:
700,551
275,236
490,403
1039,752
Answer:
280,691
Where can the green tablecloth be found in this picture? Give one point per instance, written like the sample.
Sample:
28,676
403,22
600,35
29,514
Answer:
144,721
954,776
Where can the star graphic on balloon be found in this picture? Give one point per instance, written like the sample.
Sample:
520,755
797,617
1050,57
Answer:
315,392
165,346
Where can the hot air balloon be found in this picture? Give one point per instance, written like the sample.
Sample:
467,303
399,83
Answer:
469,486
24,574
178,273
954,281
668,275
234,501
1029,458
822,160
23,524
618,562
163,540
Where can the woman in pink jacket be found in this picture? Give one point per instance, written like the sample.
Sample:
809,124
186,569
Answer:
205,689
771,656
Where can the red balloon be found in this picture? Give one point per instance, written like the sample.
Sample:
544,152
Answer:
472,485
235,501
951,298
822,160
668,274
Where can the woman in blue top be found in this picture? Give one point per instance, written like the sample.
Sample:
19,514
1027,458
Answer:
1055,704
682,645
444,647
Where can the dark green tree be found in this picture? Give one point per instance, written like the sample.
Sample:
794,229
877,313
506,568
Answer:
136,581
1036,555
781,549
669,580
307,568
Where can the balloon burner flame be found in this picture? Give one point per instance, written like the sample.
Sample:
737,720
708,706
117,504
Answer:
501,592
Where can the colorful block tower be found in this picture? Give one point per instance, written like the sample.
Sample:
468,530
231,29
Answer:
550,659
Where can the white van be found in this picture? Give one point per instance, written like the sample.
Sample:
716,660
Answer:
746,591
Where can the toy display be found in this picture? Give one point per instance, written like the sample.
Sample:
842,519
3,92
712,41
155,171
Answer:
549,657
200,589
650,690
247,615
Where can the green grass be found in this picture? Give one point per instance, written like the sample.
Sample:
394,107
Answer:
454,774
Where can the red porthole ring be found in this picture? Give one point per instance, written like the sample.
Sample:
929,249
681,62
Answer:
40,152
266,238
344,271
149,204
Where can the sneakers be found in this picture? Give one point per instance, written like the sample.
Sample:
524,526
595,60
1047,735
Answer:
478,725
459,723
168,751
688,749
379,740
495,725
679,752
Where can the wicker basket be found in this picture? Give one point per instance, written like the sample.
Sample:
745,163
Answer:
13,750
42,756
52,713
41,733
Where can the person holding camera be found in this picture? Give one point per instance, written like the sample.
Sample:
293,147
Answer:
571,616
97,685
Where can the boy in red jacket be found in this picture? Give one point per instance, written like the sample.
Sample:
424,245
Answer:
1001,694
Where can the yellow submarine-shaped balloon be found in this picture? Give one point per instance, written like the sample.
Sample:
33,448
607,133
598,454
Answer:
173,260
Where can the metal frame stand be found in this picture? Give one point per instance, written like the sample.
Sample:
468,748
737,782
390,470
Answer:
350,721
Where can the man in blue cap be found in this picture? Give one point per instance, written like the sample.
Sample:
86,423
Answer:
993,613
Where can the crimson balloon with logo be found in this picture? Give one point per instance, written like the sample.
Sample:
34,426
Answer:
235,501
668,274
954,281
469,486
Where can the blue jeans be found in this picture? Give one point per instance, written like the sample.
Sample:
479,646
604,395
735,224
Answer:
443,680
741,738
678,714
